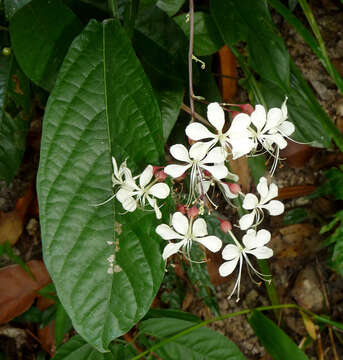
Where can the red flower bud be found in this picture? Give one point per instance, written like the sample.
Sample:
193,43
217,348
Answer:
155,169
225,226
192,212
246,108
234,188
181,208
161,176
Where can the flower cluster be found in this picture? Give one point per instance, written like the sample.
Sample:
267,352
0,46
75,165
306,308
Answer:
205,163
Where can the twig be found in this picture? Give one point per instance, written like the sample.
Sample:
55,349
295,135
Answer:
198,117
190,58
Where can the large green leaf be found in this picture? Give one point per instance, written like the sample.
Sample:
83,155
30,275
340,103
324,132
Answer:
41,32
171,7
14,116
77,349
250,21
207,39
102,104
11,6
276,342
161,44
200,344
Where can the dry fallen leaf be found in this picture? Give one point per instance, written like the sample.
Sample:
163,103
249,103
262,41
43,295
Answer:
18,290
47,338
12,223
295,240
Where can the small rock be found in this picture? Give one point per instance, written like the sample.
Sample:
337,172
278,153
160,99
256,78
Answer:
307,291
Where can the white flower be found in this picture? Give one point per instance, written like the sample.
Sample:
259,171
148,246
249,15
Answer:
272,127
187,232
254,244
118,176
198,160
216,117
130,193
238,137
251,202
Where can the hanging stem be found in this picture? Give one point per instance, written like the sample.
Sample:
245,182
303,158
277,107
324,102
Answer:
190,57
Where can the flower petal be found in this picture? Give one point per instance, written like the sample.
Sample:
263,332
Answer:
272,193
275,207
129,204
179,152
154,205
230,252
241,146
199,150
277,139
215,156
160,190
247,220
123,194
262,238
262,187
171,249
259,117
250,201
175,170
263,252
197,131
180,223
228,267
167,233
217,171
284,109
286,128
226,190
211,242
146,176
249,239
239,125
115,167
199,227
274,119
216,116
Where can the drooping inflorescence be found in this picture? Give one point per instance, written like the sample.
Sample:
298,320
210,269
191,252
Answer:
206,164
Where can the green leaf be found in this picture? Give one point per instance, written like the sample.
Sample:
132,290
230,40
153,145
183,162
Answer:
171,313
62,324
251,22
14,119
12,6
170,101
332,186
294,216
77,349
207,39
257,165
41,32
102,104
200,344
171,7
276,342
161,44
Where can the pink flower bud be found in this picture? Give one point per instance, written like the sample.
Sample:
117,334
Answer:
155,169
161,176
181,208
234,188
225,226
207,173
246,108
192,212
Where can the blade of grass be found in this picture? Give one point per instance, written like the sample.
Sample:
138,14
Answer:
316,43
